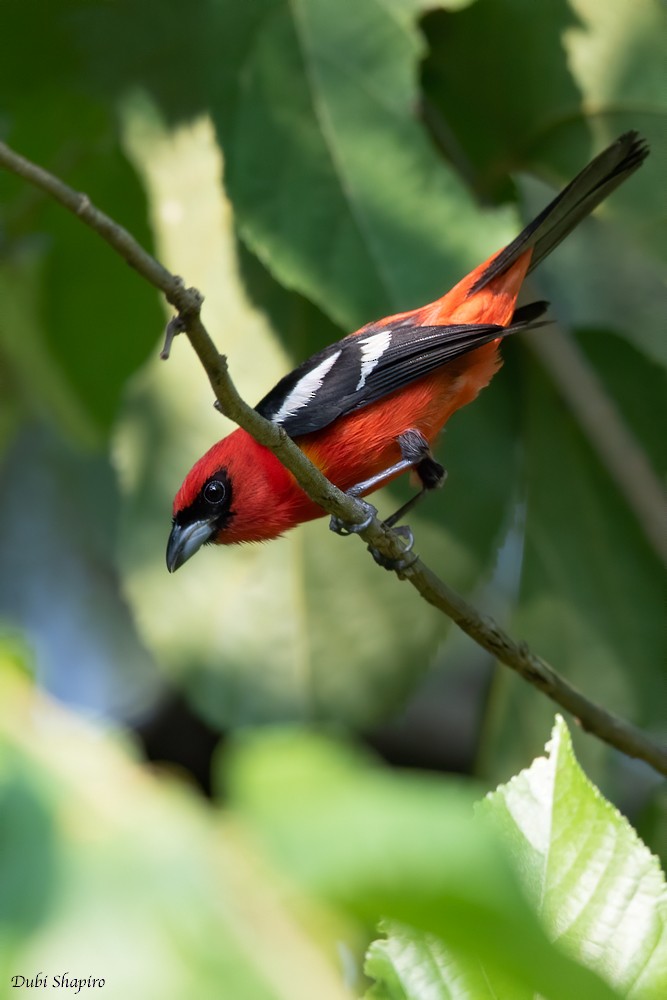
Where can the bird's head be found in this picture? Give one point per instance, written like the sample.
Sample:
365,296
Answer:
237,492
202,507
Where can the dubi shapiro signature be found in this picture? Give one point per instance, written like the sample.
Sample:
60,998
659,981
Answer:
62,981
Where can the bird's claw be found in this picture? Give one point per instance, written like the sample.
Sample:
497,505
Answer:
346,528
399,565
403,563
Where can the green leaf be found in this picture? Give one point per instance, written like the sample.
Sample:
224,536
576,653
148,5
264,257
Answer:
635,384
490,130
411,965
602,279
129,46
353,208
597,888
38,63
592,589
38,386
602,64
616,54
88,320
571,72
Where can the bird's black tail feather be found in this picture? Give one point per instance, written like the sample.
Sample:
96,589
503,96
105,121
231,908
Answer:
595,182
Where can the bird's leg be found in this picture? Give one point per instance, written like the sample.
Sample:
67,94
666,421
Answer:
415,449
344,528
416,454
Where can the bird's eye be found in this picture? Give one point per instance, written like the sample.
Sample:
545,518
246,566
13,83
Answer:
214,492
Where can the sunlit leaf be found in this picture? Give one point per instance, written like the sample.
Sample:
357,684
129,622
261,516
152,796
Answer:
409,964
598,889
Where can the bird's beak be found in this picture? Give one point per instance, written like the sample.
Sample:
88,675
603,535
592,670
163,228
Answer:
185,540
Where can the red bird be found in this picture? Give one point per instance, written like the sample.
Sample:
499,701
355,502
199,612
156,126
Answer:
369,406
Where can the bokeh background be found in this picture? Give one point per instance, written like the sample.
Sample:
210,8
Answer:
310,166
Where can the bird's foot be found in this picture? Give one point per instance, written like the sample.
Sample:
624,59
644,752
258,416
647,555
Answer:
347,528
404,562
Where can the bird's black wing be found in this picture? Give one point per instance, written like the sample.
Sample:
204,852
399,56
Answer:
364,367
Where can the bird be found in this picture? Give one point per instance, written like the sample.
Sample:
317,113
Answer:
370,406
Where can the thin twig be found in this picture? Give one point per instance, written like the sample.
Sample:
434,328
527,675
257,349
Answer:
187,301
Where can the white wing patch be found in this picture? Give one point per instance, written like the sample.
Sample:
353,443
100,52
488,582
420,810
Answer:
372,349
305,389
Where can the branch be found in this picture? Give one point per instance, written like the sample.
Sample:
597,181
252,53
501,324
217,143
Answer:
187,302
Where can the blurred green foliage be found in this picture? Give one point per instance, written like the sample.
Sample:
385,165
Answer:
129,877
312,165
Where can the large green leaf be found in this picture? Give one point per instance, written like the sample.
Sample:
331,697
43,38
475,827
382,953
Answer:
39,63
143,44
352,207
601,73
590,614
497,77
592,590
33,386
84,321
570,71
597,888
616,54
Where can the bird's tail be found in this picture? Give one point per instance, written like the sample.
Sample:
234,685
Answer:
595,182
